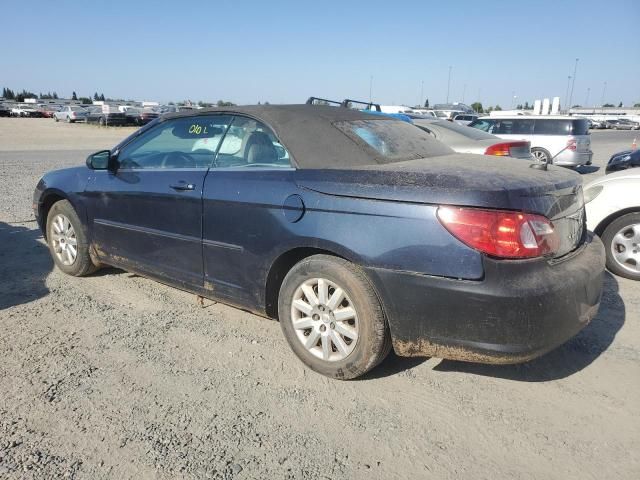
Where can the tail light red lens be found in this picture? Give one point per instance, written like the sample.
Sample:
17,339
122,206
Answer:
504,149
501,233
571,144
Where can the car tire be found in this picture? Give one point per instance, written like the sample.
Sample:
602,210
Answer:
335,353
541,155
67,240
101,121
55,119
68,119
621,241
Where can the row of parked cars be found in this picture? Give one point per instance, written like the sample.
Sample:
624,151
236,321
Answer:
124,115
615,124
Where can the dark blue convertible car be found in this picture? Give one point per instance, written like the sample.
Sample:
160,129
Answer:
360,233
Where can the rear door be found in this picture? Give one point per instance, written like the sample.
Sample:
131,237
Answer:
147,215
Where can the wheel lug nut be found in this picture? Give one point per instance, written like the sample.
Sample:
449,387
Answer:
332,325
316,316
322,328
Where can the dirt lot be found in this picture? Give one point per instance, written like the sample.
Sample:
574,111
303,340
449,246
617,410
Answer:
116,376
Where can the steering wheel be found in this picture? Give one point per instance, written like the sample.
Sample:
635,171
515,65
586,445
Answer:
177,157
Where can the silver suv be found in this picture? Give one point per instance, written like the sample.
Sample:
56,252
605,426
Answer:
561,140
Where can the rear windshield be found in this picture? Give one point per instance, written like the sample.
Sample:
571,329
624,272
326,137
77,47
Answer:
392,141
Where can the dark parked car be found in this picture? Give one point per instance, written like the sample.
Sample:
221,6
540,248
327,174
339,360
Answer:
113,117
4,111
358,232
623,160
139,116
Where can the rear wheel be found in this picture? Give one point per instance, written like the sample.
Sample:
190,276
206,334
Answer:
541,155
622,246
102,122
332,318
55,119
68,119
67,240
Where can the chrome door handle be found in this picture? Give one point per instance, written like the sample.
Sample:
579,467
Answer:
182,186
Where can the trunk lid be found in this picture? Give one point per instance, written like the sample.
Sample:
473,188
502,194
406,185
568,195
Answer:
465,180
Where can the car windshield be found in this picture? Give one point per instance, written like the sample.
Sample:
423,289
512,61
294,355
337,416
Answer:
392,141
77,109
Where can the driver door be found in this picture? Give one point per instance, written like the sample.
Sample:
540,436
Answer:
147,214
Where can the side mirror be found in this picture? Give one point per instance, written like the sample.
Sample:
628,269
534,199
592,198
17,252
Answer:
100,160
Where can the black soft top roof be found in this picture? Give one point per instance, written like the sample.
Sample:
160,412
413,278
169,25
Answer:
307,131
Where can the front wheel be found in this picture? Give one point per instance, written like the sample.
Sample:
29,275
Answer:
332,318
67,240
102,122
622,246
55,119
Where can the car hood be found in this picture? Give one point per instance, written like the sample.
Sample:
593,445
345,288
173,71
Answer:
457,179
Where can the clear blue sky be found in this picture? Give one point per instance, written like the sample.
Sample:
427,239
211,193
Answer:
284,51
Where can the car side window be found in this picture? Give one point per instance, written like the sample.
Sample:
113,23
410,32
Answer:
251,144
485,125
522,127
188,142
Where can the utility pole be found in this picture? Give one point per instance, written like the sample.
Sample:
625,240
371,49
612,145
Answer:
573,81
586,102
566,95
448,84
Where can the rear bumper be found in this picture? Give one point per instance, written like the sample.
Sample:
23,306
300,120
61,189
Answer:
521,310
570,158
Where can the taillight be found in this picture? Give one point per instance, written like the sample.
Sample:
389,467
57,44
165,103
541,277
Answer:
504,149
501,233
571,144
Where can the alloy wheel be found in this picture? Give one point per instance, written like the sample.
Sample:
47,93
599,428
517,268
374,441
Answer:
64,240
325,320
539,155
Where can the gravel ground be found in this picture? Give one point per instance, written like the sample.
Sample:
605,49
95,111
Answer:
116,376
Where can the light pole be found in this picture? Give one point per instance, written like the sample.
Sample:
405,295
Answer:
573,81
513,99
448,84
604,89
464,90
370,86
566,95
421,93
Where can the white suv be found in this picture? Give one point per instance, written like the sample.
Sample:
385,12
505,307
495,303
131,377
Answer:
562,140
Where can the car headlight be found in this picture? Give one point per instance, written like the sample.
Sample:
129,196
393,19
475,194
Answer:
619,159
592,192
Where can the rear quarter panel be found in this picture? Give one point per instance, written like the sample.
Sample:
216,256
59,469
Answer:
246,229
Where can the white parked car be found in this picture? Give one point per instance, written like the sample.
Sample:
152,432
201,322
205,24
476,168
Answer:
71,114
561,140
24,111
395,109
464,119
613,212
